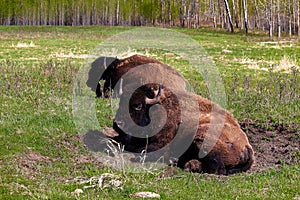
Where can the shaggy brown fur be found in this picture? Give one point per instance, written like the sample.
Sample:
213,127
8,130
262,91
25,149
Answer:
232,152
117,69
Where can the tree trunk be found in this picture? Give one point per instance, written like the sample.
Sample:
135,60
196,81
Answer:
256,16
245,15
298,17
220,14
270,19
117,12
213,13
199,14
278,19
152,13
290,18
93,13
229,15
40,13
169,13
235,14
161,11
181,14
189,16
193,13
184,11
78,15
105,17
294,16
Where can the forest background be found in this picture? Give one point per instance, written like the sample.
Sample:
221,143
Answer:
278,17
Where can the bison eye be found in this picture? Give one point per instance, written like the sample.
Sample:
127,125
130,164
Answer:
138,107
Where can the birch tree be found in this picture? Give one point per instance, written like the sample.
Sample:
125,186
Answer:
290,17
245,15
298,17
270,18
213,10
229,15
278,20
235,13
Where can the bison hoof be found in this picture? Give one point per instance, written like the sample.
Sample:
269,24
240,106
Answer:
193,166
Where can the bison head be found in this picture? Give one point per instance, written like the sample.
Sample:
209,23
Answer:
99,67
141,102
147,116
149,111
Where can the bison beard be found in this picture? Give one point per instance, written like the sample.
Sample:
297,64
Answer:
232,152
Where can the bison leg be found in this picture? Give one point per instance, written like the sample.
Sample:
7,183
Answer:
193,166
213,163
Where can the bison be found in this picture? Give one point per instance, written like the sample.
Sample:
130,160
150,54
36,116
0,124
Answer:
113,73
190,119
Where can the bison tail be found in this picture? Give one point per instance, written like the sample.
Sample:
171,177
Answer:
246,161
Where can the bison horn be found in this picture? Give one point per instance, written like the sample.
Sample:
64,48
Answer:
121,87
157,96
104,63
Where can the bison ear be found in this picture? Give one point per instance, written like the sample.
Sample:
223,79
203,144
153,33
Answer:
157,96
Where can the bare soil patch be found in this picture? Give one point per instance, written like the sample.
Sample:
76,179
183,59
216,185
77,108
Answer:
30,164
275,148
33,164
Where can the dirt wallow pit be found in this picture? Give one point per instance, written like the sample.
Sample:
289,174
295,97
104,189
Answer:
273,148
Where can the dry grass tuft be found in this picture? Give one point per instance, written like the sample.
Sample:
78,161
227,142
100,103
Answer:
24,45
71,55
286,64
252,64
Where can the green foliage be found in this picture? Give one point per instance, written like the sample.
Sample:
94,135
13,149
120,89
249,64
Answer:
187,13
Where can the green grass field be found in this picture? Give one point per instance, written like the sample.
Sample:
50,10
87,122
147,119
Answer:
41,152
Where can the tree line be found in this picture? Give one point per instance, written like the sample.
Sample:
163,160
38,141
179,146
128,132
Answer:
276,16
